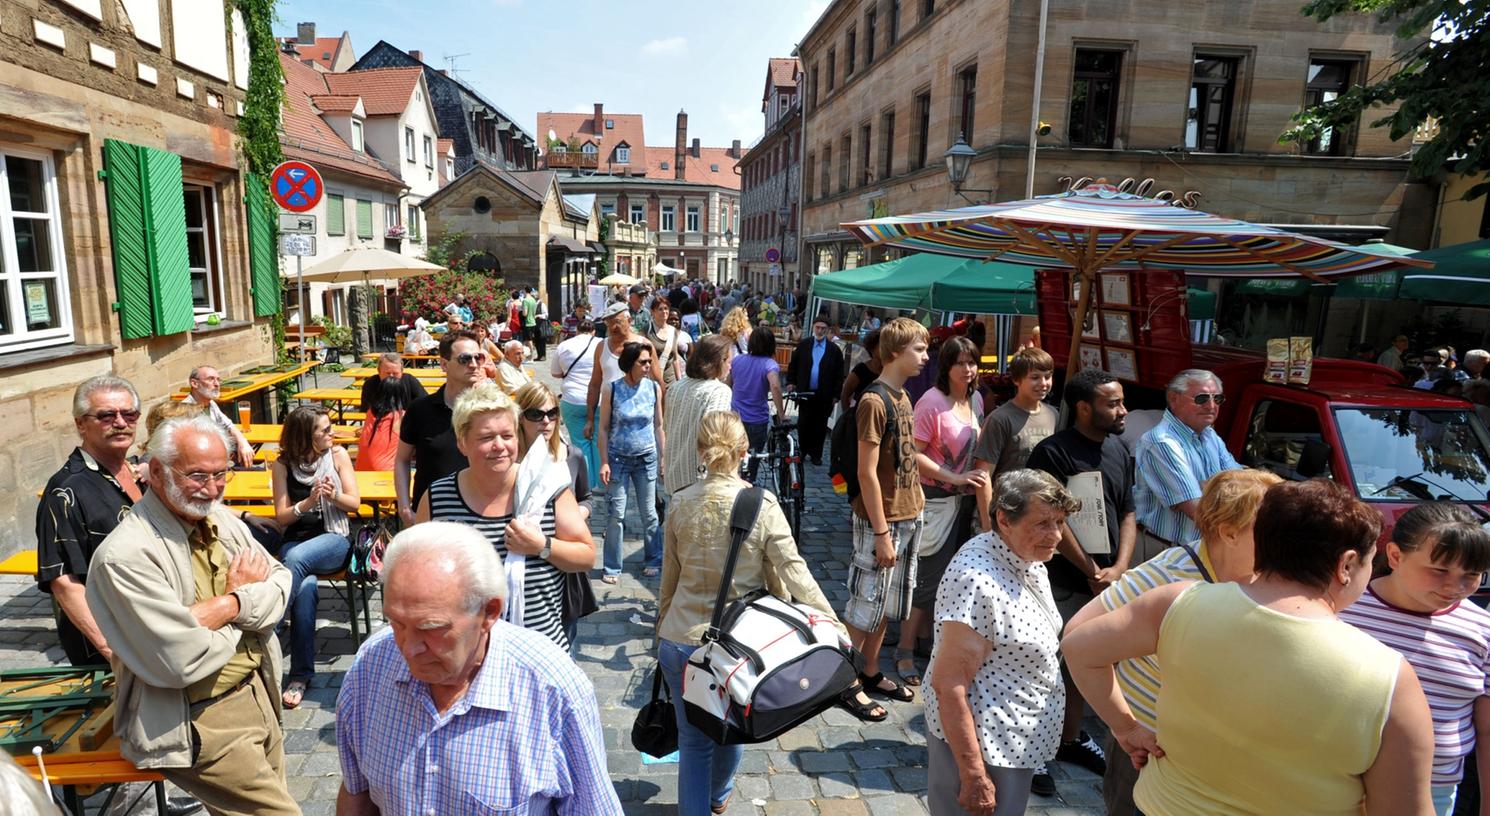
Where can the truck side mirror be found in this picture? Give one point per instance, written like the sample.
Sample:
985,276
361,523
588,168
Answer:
1314,460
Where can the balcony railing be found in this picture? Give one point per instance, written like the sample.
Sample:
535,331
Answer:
581,160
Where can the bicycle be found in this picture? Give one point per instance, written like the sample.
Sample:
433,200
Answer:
783,460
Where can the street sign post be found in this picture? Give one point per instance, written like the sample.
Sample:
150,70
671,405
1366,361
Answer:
296,186
773,255
297,224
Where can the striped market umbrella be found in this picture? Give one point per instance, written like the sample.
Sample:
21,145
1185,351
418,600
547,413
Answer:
1099,227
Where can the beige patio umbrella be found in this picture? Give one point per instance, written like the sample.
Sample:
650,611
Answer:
618,279
359,265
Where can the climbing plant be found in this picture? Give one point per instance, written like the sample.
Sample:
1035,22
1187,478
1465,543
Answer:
258,127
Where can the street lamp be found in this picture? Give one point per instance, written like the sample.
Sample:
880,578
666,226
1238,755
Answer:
959,159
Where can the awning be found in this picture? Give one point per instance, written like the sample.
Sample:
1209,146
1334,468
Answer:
598,247
570,245
1370,286
1461,275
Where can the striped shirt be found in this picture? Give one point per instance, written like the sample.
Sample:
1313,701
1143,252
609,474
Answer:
1172,462
543,583
1139,677
1450,652
687,401
525,738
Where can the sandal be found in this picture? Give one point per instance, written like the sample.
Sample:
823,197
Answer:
610,579
868,712
894,692
651,572
294,694
905,666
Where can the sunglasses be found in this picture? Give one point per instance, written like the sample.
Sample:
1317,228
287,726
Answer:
107,417
539,415
201,479
470,358
1205,399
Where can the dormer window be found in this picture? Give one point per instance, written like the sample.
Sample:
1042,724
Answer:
713,168
610,124
664,165
623,153
590,149
357,135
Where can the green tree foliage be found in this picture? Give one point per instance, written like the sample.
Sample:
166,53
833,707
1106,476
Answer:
1442,78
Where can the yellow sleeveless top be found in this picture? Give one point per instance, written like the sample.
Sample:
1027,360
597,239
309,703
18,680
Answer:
1261,712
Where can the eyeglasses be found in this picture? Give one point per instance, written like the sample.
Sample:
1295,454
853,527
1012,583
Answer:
107,417
1205,399
201,479
539,415
469,358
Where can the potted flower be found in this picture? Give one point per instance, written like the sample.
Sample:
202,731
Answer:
397,231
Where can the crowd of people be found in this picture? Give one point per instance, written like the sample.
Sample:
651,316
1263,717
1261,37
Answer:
1242,638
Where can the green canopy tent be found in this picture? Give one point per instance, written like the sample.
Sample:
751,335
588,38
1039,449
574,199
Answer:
1461,275
1370,286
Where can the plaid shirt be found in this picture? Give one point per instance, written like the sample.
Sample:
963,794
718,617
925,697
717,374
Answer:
525,738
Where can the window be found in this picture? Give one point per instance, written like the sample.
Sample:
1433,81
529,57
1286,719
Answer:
827,171
850,51
33,276
623,155
391,216
921,130
1094,95
845,154
808,177
832,67
638,213
415,233
364,219
866,172
610,124
894,23
1327,80
669,218
967,96
928,7
812,98
336,214
562,148
429,152
691,222
201,250
589,149
607,208
1212,92
409,154
871,20
887,143
357,135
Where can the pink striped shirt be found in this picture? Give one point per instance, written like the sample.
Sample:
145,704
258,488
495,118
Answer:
1450,652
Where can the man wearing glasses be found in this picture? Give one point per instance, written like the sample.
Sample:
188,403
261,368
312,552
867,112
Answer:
206,387
1174,459
426,439
82,503
188,602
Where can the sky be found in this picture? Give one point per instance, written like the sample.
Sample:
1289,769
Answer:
651,57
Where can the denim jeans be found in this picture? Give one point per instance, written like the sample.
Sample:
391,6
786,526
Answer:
321,555
756,432
636,475
706,770
1443,799
574,422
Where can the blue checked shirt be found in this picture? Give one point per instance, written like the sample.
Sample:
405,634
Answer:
1172,462
525,739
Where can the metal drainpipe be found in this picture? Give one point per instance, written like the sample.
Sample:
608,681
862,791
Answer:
1029,171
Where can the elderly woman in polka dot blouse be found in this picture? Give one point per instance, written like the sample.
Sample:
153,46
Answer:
994,696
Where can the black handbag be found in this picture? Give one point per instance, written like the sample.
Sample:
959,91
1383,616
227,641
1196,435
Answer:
579,597
655,731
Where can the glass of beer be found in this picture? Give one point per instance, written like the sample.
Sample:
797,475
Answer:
245,413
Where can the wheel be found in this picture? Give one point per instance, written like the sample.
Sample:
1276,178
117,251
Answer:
799,498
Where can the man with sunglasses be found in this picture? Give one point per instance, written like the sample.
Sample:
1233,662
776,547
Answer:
1174,459
426,439
206,385
82,503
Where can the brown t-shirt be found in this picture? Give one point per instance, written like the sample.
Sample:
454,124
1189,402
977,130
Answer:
896,470
1010,433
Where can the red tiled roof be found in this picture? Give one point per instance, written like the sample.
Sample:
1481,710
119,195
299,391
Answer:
322,51
336,103
628,130
384,91
697,169
783,71
443,146
307,137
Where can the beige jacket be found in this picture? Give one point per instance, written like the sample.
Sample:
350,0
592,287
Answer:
696,545
140,591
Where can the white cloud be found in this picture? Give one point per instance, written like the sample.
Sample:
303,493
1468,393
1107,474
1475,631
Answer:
668,47
581,108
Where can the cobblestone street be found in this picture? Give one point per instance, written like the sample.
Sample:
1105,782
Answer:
833,765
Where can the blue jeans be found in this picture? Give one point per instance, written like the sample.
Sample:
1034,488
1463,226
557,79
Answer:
639,473
321,555
574,422
757,433
706,770
1443,799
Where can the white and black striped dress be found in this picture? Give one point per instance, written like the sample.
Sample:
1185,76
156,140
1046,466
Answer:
543,583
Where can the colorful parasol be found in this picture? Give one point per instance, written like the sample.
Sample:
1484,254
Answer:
1099,227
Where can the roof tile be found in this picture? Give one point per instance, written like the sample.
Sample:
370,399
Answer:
306,135
384,91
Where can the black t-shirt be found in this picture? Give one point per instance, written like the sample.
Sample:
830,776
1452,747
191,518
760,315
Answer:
80,506
1067,453
428,427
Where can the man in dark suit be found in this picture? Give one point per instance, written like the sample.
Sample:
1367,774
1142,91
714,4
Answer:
816,366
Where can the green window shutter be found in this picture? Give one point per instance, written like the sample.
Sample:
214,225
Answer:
336,215
147,223
364,219
263,260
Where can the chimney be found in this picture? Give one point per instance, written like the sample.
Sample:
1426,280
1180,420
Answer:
680,146
442,72
734,148
305,33
599,124
695,150
417,55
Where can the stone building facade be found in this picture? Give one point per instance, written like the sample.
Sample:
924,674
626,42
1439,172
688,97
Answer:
1191,95
630,249
91,95
771,175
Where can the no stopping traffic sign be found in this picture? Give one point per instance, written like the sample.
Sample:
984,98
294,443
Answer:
296,186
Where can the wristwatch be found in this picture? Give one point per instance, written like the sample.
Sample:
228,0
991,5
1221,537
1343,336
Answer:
548,548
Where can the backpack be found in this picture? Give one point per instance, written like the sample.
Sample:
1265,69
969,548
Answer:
843,456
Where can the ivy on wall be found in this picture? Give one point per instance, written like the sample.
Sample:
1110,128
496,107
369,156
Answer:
258,128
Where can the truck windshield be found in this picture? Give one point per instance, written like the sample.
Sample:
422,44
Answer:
1400,454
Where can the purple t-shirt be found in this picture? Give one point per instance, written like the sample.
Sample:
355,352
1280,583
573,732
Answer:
750,388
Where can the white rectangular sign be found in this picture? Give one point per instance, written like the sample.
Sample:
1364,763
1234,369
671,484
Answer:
299,223
294,245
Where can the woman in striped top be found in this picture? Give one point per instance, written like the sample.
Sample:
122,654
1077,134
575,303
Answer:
1438,553
481,495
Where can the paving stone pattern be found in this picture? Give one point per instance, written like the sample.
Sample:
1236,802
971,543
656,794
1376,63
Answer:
833,765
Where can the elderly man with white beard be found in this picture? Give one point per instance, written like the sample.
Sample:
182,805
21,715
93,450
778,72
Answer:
188,602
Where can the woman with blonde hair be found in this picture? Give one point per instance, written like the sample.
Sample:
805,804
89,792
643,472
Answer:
487,431
1224,552
736,326
696,545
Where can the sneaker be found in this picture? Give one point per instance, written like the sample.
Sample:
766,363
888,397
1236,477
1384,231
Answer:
1083,752
1042,783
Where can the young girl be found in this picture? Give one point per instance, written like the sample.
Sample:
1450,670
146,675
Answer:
1438,553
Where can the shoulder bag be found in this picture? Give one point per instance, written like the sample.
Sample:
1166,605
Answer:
655,731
